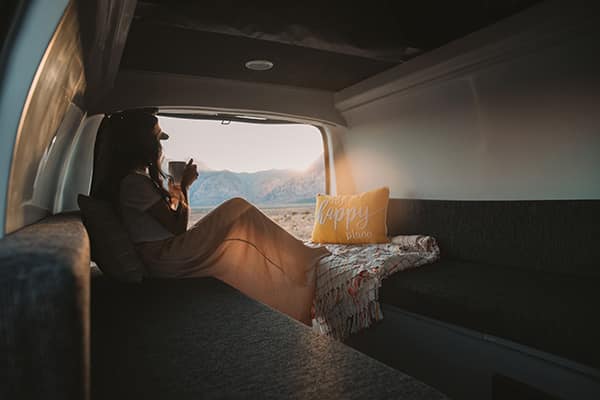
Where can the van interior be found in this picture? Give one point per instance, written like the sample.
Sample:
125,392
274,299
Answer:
481,117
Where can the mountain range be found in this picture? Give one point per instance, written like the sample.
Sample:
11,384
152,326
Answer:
270,187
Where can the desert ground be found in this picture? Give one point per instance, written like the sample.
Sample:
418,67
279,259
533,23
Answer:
298,220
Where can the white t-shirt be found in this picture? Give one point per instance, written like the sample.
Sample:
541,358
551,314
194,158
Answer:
137,194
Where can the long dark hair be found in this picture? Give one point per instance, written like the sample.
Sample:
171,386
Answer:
136,146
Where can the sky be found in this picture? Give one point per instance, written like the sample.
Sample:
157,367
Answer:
241,147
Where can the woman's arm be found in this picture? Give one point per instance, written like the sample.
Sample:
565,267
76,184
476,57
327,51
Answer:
174,220
175,216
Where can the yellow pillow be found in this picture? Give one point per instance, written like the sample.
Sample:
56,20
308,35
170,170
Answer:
346,219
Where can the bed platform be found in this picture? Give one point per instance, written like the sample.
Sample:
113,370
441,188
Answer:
199,338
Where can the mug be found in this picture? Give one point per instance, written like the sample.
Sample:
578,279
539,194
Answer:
176,169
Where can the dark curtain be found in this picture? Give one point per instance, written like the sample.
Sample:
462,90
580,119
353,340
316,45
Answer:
104,28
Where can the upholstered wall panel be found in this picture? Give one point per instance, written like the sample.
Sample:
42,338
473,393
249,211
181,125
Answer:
551,236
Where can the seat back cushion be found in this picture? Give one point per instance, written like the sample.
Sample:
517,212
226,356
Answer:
112,249
541,235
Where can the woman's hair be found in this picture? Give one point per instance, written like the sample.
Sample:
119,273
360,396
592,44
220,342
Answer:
135,145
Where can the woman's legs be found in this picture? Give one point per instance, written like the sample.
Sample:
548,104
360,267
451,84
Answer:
241,246
248,225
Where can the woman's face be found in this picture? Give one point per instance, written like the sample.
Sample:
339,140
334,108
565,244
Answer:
157,132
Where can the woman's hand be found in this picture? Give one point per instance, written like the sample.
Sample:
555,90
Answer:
177,195
190,174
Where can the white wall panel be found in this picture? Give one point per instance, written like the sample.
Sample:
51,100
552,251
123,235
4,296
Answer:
524,127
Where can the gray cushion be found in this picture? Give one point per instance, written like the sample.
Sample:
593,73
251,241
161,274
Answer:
44,311
112,248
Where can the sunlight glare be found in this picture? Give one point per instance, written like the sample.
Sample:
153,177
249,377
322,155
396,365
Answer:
241,147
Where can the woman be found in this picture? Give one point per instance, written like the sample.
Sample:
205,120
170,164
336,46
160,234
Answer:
235,242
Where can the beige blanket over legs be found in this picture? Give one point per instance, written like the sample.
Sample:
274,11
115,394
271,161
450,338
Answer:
244,248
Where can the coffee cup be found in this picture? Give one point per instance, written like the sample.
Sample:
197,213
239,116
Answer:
176,169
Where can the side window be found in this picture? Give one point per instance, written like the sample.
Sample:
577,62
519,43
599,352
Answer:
278,167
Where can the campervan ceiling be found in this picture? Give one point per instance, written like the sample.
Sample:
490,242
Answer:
456,146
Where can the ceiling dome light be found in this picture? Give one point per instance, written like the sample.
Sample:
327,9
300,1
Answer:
259,65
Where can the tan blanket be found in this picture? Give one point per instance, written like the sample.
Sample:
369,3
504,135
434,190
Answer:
349,279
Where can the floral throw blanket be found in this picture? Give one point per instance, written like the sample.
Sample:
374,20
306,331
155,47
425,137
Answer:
349,279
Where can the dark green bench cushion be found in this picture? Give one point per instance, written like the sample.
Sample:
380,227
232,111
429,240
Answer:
549,312
199,338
